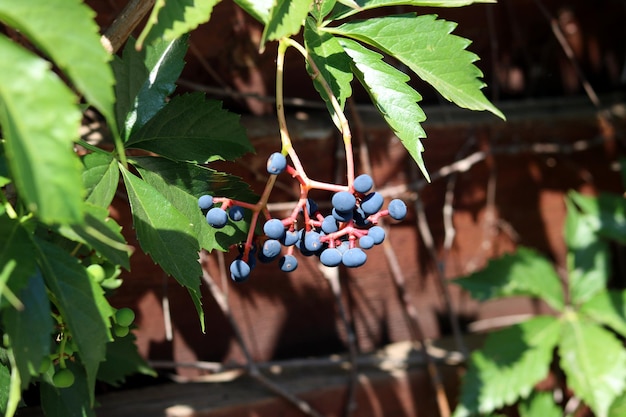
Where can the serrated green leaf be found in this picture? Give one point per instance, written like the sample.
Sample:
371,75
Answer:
122,360
259,9
523,272
594,362
588,256
508,366
166,235
286,17
607,308
321,8
193,129
100,177
65,30
393,97
101,233
40,120
540,404
30,329
80,301
172,19
15,244
333,65
342,12
145,79
183,183
68,402
607,213
432,52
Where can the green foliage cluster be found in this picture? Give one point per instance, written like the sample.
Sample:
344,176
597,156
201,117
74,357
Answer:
584,335
61,253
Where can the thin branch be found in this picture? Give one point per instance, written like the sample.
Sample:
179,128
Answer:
124,24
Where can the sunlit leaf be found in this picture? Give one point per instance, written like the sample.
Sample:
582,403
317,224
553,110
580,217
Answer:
342,11
286,17
100,178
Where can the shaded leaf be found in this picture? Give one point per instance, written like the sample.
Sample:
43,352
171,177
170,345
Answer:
508,366
286,17
39,122
122,360
395,100
66,31
540,404
607,213
259,9
333,65
166,235
5,384
100,178
15,265
341,12
68,402
594,362
193,129
618,408
432,52
172,19
4,168
183,183
523,272
607,308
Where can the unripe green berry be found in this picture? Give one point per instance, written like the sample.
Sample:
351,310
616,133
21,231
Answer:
124,316
46,362
96,272
120,331
63,378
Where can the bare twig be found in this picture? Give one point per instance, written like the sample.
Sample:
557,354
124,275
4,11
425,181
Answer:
123,25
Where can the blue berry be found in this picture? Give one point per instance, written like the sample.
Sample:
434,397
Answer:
366,242
276,163
343,201
377,233
343,247
372,203
269,251
397,209
354,258
360,217
235,213
329,225
363,183
217,217
290,238
311,206
274,229
330,257
239,270
288,263
205,202
312,241
342,216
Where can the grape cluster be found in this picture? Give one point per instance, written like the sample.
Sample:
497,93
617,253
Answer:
338,238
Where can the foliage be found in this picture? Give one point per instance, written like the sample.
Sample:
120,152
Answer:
60,251
584,332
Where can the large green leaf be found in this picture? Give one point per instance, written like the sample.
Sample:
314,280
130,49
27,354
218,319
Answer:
395,100
40,120
30,329
16,265
68,402
193,129
182,183
607,308
65,30
173,18
594,362
431,51
332,63
100,177
588,257
618,408
166,235
122,360
342,11
523,272
540,404
80,301
607,212
259,9
509,365
145,79
286,17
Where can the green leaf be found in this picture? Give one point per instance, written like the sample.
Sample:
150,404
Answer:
607,308
540,404
173,18
321,8
588,256
100,178
122,360
166,235
30,329
5,178
80,301
342,12
101,233
509,365
523,272
259,9
332,63
5,384
432,52
145,79
68,402
394,99
15,262
183,183
607,212
618,408
65,30
594,362
285,19
39,122
193,129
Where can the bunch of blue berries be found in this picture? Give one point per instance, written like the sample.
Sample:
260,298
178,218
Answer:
340,237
